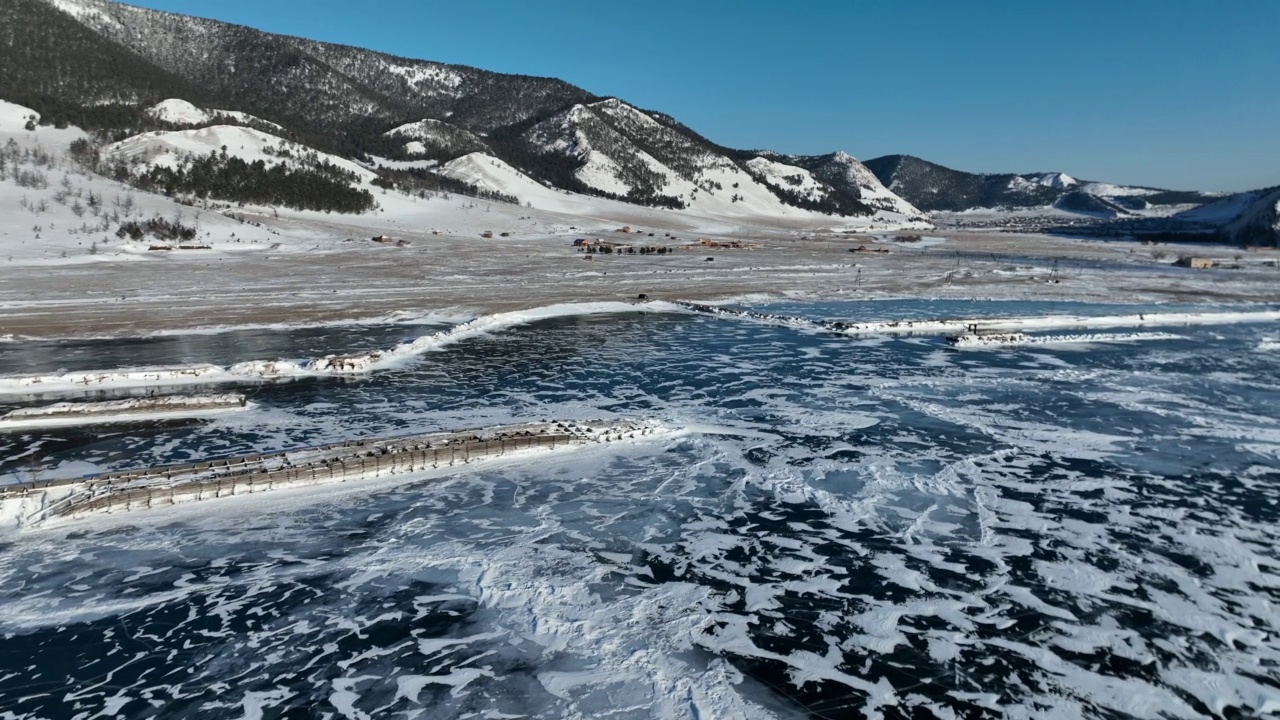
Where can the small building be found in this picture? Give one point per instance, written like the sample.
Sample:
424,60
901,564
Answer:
382,239
1199,263
487,234
580,242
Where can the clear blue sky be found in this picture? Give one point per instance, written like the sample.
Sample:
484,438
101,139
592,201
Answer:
1169,93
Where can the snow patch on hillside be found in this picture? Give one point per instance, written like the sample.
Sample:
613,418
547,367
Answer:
435,77
627,114
84,12
787,177
1059,181
14,118
489,173
874,193
181,112
167,149
427,134
1108,190
599,171
427,129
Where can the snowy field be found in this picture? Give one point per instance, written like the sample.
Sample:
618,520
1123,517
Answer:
65,273
874,526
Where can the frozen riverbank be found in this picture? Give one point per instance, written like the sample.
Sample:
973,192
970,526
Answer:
67,414
996,340
364,363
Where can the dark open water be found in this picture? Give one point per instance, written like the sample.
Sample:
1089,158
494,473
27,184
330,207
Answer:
852,528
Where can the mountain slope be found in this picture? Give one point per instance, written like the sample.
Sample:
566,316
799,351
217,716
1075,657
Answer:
612,148
1247,218
363,104
307,85
60,67
1259,223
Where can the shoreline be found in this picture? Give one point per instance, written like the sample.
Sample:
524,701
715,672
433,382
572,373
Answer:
367,362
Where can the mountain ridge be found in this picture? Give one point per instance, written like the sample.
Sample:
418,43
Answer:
351,101
106,66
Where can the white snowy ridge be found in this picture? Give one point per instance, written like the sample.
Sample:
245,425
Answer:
968,341
67,414
953,326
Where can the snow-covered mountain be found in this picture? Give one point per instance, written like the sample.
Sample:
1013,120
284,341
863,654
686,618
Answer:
124,71
932,187
612,148
405,115
1059,181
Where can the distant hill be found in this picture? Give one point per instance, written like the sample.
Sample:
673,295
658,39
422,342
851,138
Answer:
934,188
1247,218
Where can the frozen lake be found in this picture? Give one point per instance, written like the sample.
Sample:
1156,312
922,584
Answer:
881,527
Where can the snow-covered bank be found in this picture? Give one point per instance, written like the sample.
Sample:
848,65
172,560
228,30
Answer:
1052,322
970,341
159,376
961,326
328,365
501,321
67,414
363,363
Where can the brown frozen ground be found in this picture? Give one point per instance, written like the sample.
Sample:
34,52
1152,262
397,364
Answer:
346,281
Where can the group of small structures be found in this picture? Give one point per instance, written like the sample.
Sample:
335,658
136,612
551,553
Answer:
388,240
612,248
628,230
864,250
726,244
605,247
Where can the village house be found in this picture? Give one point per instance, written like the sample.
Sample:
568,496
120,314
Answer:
1199,263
